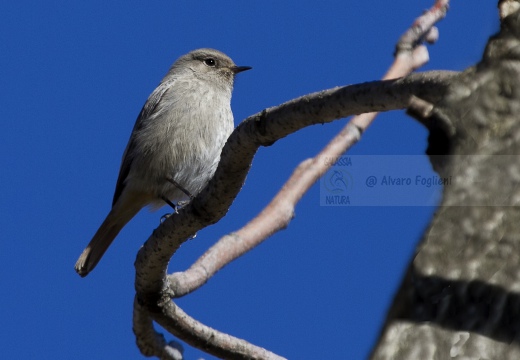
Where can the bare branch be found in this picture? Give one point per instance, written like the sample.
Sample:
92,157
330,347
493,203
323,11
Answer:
180,324
422,27
410,53
149,341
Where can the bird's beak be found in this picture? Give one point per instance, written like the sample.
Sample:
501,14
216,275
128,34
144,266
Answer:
237,69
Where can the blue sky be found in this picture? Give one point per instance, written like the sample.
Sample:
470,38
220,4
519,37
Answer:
74,76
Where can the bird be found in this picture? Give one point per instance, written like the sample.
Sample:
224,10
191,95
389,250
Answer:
175,145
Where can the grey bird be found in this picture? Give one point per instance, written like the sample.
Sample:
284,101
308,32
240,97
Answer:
175,145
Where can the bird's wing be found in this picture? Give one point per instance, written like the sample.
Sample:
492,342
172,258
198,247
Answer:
150,107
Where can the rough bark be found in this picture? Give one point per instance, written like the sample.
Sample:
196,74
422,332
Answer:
460,297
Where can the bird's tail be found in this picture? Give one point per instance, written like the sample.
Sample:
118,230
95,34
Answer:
107,232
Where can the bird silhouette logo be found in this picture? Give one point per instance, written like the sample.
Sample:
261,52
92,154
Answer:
338,181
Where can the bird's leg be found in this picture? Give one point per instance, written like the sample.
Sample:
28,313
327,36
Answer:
167,201
178,186
173,206
180,204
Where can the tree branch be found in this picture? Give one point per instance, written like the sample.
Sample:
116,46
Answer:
178,323
149,341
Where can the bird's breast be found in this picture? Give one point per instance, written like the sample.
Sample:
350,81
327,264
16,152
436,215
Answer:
184,141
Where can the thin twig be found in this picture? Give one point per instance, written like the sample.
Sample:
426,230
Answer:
212,341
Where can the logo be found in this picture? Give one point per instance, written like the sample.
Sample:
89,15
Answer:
338,181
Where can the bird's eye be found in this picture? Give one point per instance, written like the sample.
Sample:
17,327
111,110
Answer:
210,62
